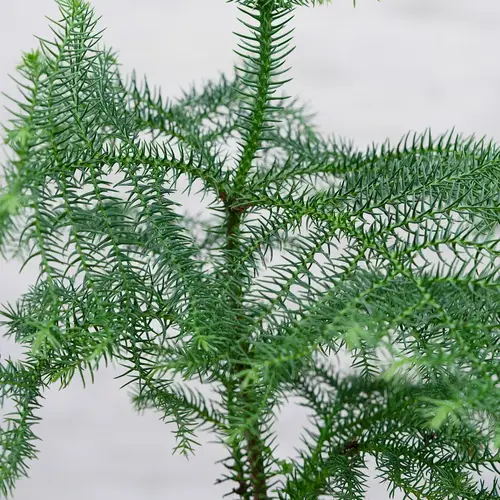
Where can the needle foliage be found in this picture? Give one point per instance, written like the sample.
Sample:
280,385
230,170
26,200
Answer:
308,248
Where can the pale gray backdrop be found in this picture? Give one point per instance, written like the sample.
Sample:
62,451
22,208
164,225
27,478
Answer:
371,73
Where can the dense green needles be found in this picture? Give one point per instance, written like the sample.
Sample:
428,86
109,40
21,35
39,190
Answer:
308,248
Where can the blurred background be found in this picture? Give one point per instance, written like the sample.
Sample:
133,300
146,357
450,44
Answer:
370,73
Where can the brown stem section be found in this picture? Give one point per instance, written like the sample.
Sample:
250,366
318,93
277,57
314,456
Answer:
254,444
257,467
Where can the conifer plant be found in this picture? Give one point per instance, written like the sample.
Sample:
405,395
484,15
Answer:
307,248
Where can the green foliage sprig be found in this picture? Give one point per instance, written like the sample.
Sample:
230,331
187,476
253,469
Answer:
390,253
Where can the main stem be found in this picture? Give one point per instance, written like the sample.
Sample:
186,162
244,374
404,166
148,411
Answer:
252,141
257,77
254,443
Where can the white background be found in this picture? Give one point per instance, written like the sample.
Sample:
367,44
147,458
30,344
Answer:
371,73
